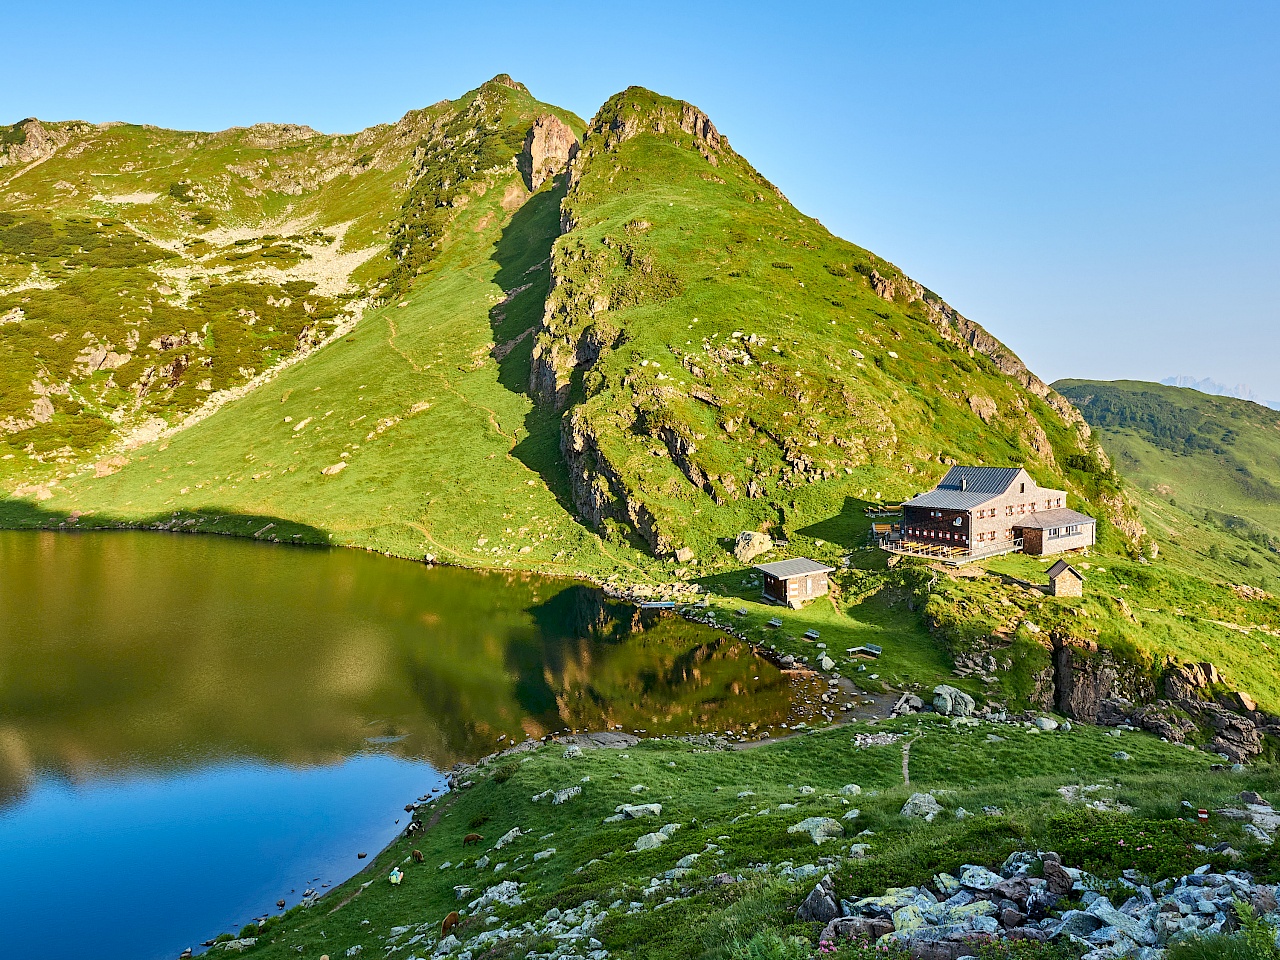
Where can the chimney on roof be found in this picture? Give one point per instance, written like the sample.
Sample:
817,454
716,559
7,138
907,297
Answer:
964,483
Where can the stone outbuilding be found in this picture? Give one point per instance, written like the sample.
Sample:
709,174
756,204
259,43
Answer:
794,582
1065,580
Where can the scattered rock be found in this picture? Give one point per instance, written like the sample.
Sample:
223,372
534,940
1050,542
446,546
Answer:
820,829
750,544
649,841
922,806
820,906
950,702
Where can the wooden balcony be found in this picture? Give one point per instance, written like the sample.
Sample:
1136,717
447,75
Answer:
950,553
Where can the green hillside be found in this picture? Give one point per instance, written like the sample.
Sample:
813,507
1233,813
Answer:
728,364
1217,458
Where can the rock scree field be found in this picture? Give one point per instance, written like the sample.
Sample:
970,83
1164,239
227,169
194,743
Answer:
495,335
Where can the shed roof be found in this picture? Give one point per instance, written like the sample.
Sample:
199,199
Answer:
1061,567
798,567
1047,519
964,488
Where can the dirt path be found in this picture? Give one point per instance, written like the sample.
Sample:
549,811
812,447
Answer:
906,760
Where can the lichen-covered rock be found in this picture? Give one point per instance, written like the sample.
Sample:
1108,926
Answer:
951,702
821,829
922,806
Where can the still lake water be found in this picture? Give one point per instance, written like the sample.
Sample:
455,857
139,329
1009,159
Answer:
192,728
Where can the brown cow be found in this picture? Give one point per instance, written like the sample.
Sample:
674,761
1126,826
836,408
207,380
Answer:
449,923
417,856
471,838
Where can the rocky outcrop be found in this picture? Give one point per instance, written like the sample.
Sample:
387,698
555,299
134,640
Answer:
1108,695
33,142
598,491
548,148
751,544
1085,677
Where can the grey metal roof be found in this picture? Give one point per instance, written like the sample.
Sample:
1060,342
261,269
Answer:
1061,567
1046,519
980,485
785,569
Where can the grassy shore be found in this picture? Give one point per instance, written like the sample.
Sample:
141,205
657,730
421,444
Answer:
732,868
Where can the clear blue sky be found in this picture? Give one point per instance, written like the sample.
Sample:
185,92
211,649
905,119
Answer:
1097,183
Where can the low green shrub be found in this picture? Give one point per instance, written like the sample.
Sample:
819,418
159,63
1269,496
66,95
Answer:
1028,950
771,946
1106,844
987,840
862,950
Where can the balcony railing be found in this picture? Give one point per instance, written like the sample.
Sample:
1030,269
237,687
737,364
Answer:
949,552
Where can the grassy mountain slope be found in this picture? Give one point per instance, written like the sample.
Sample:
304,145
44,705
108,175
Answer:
1216,457
728,364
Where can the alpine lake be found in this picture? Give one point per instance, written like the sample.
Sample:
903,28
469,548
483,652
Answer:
195,728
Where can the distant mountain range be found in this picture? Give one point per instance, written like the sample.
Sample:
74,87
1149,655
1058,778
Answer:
1241,391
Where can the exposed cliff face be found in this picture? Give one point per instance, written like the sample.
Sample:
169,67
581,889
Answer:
600,492
1084,678
548,149
1175,703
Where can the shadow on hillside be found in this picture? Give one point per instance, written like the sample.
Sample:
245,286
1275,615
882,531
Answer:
26,515
848,528
523,256
732,583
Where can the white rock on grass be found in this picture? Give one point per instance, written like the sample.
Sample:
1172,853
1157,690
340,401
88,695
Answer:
568,793
922,806
1045,723
850,790
820,829
573,752
650,841
515,833
638,811
544,854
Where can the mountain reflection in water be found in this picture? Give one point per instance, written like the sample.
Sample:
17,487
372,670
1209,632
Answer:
141,652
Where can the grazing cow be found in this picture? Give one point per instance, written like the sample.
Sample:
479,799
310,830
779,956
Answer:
471,838
449,923
417,856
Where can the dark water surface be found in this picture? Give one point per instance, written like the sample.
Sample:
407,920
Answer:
192,728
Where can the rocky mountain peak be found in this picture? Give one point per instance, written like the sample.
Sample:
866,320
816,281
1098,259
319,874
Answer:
637,110
504,80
